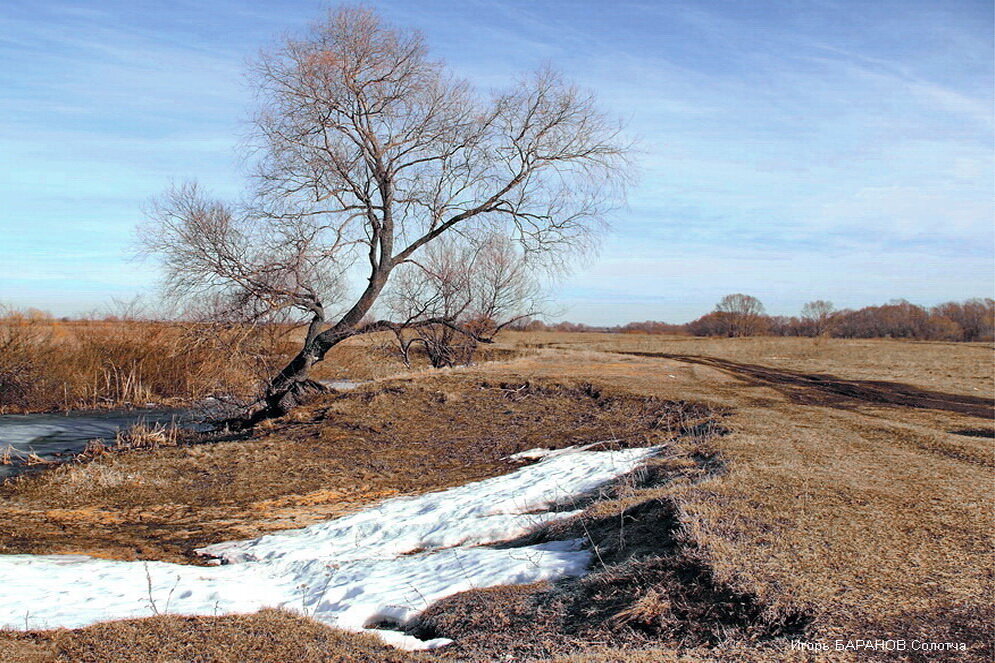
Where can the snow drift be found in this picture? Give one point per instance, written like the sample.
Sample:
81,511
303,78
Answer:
381,566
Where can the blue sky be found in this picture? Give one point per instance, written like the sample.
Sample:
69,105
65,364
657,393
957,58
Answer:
790,150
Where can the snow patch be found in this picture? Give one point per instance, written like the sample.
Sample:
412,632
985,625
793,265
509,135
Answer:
385,564
539,453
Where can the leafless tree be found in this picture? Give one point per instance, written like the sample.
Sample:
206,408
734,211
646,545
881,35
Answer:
473,289
366,153
975,317
818,314
744,313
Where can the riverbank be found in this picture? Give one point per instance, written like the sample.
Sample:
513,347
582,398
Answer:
37,442
396,438
49,366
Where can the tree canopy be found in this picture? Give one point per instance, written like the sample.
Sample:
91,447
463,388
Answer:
365,151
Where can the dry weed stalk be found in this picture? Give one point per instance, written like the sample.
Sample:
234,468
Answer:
48,364
145,436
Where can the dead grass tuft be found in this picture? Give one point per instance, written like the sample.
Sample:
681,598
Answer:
91,477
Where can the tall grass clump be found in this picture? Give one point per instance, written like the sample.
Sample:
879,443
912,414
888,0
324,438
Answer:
49,364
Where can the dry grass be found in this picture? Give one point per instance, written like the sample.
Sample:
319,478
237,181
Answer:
48,364
847,519
270,636
54,365
875,520
960,368
649,586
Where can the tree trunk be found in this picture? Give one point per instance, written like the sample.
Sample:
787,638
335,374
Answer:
292,385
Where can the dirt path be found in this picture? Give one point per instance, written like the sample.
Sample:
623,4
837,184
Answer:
822,389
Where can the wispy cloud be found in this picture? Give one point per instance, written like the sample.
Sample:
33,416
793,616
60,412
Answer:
833,149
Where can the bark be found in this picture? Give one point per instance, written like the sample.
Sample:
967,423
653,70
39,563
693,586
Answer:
292,385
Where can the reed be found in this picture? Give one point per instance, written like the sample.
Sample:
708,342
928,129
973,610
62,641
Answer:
48,364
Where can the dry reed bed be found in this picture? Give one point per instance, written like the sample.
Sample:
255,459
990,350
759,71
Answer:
50,365
54,365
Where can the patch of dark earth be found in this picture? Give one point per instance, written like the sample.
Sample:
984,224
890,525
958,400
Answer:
832,391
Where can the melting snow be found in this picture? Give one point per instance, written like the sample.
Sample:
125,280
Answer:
385,564
542,452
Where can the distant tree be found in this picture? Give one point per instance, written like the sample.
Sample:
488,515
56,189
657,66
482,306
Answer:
781,325
745,314
123,310
941,328
740,304
368,152
818,314
521,324
716,323
651,327
975,317
896,319
37,314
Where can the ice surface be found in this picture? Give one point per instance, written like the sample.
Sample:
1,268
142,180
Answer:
382,565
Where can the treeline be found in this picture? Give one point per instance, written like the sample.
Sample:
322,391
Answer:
744,315
647,327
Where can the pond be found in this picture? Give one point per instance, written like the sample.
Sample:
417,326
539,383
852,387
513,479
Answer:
59,436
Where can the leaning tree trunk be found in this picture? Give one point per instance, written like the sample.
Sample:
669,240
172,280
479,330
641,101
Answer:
293,385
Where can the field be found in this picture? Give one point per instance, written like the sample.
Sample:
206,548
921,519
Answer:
810,489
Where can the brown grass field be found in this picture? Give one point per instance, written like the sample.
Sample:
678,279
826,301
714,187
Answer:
814,489
51,365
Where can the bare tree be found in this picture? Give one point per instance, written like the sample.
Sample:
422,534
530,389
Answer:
473,290
744,314
368,152
976,317
818,315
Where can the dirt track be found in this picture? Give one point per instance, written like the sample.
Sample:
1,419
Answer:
829,390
